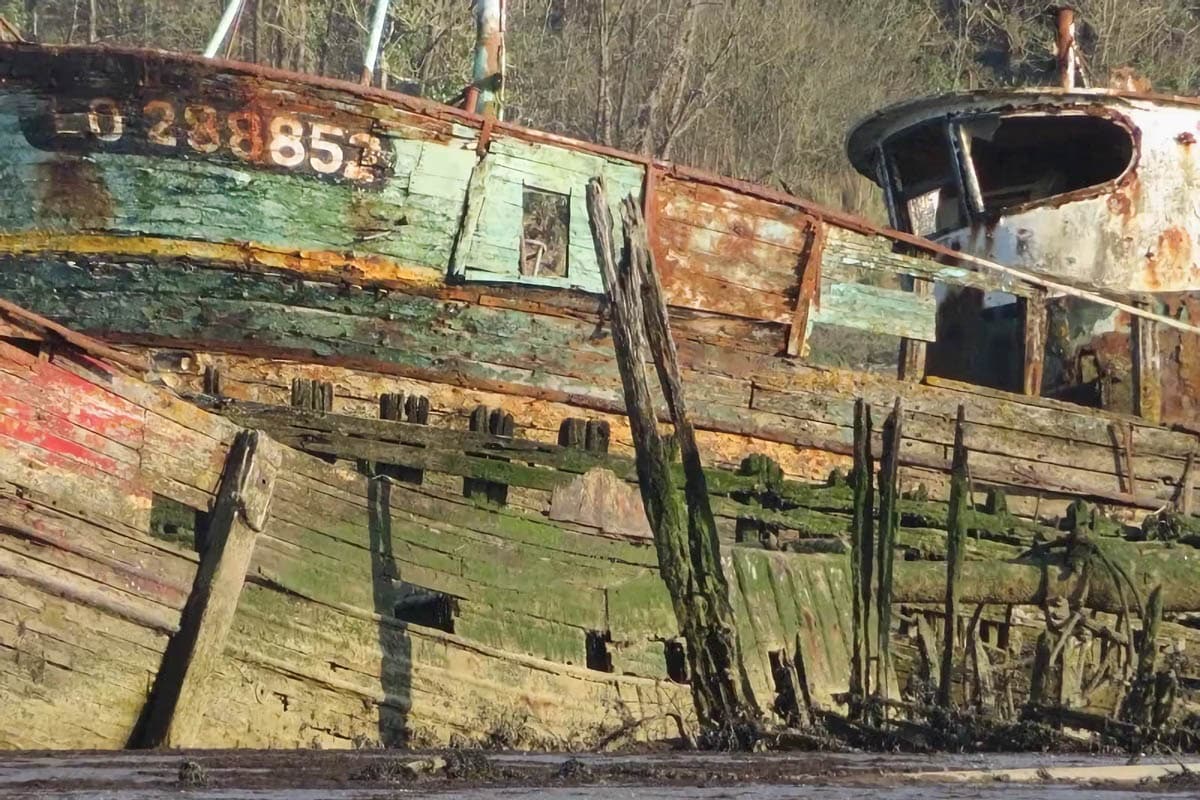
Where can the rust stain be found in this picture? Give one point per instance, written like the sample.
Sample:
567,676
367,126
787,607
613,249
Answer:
1119,204
1179,356
367,270
1169,263
1186,138
73,191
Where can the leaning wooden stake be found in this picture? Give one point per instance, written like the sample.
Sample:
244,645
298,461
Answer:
889,523
956,534
180,697
685,537
861,557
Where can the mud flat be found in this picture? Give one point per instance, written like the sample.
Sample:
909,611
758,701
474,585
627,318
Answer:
469,774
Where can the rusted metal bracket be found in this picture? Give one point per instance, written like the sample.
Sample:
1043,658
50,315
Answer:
485,135
809,295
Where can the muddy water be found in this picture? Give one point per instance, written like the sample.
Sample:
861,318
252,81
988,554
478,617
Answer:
317,775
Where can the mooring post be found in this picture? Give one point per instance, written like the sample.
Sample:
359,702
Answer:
956,535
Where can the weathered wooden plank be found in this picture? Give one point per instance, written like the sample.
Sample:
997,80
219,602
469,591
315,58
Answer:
1147,370
241,512
879,310
1034,357
850,250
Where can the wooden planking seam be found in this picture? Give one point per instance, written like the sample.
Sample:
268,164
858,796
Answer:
56,564
18,596
928,424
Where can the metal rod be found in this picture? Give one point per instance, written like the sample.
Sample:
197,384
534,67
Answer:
371,56
1066,47
960,143
231,13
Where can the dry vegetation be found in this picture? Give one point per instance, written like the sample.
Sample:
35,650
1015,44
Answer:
759,89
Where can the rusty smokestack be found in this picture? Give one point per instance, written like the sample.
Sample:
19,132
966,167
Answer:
1066,47
488,78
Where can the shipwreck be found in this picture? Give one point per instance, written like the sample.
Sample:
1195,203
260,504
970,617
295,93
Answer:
314,431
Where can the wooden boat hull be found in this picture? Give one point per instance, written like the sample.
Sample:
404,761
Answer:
241,229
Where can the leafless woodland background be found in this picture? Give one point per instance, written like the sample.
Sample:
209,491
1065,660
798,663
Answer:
758,89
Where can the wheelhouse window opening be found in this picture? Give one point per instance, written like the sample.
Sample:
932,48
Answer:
545,226
924,179
1025,159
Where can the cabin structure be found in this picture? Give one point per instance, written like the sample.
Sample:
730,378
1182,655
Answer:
1093,188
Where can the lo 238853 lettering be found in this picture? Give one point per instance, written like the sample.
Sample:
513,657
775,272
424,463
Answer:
280,141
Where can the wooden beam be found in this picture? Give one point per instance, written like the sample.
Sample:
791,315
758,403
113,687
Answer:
240,513
1147,377
809,295
1035,343
913,351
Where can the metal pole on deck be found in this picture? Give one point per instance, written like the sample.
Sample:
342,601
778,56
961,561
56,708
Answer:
371,56
231,13
488,74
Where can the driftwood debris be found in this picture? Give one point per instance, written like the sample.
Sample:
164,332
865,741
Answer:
685,536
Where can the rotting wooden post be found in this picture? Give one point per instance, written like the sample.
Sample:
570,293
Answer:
592,435
312,395
240,513
685,537
212,380
861,556
913,351
1138,706
1039,677
572,432
809,295
1147,373
1034,356
956,534
397,407
1185,495
498,423
597,437
889,523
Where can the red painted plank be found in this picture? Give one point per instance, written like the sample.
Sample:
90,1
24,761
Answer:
55,391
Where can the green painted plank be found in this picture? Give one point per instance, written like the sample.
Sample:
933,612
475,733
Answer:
879,310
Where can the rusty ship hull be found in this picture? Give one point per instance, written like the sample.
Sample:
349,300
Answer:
266,251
